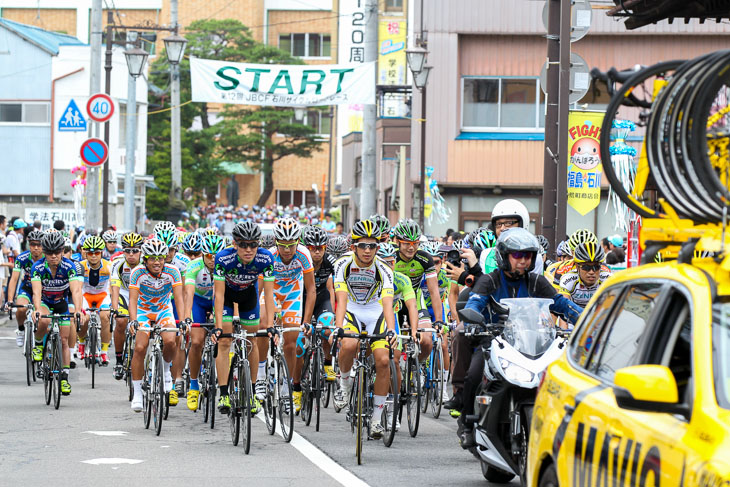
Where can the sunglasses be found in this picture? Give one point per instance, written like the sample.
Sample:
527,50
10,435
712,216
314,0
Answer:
521,255
317,247
132,251
591,267
93,252
410,243
369,246
156,257
247,245
287,246
508,223
209,256
57,252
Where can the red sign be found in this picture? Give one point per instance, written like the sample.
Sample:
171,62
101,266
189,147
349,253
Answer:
94,152
100,107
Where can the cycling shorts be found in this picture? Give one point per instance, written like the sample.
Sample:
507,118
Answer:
321,306
174,309
430,312
248,305
354,325
164,317
123,306
101,300
291,309
201,308
57,308
25,292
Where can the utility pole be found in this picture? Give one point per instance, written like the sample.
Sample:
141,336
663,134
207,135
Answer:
107,90
175,151
368,189
563,100
131,147
92,186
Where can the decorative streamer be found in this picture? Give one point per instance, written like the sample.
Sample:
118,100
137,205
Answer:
79,190
622,158
434,204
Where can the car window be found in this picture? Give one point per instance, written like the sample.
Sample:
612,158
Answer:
618,345
593,322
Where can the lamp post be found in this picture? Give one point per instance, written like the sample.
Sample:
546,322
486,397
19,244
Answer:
175,47
136,59
416,60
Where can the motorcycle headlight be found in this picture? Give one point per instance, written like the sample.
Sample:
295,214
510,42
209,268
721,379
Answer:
514,372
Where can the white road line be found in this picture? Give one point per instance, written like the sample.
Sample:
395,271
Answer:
321,460
7,338
107,433
111,461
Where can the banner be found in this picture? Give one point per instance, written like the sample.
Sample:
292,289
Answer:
49,215
584,162
282,85
392,53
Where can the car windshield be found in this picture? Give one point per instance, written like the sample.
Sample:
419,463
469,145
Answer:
721,352
529,328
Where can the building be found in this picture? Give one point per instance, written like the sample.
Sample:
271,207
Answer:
44,88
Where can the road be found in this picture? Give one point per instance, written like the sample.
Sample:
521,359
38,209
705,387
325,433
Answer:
95,438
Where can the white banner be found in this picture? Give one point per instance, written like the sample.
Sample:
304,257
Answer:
282,85
49,215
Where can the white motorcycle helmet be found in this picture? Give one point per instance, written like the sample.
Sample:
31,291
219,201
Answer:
511,208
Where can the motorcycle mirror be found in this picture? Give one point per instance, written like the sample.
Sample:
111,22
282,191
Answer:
471,316
498,308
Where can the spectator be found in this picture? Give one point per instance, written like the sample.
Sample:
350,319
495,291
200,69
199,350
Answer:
340,229
616,259
59,225
38,225
15,236
328,225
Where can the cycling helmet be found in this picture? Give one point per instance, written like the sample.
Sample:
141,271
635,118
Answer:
458,244
132,240
94,243
515,240
337,245
268,241
247,231
431,248
34,236
382,223
192,243
212,244
110,236
365,229
407,229
589,252
181,234
387,251
210,231
54,241
154,247
287,229
580,236
314,236
511,208
543,241
563,249
67,247
484,238
169,226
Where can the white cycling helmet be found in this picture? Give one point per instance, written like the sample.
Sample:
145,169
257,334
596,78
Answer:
511,208
287,229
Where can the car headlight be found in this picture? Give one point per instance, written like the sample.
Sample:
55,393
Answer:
514,372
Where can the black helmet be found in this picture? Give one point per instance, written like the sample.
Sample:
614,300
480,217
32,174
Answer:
53,242
34,236
314,235
515,240
246,231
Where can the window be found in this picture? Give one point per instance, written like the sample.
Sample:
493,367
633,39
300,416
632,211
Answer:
319,121
502,103
392,5
306,45
593,322
295,197
618,345
25,112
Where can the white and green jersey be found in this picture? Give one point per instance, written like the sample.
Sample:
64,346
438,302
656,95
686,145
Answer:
201,277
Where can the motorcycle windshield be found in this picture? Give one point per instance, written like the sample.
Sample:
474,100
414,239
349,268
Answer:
529,329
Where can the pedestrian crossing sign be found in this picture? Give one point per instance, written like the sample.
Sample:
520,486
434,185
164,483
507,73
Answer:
72,120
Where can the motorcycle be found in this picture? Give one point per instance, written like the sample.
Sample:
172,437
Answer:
517,351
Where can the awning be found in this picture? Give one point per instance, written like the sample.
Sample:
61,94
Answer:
237,168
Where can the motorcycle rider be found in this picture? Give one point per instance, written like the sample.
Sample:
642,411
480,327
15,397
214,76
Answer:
515,255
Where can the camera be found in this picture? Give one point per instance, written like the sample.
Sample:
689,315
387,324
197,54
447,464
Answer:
453,257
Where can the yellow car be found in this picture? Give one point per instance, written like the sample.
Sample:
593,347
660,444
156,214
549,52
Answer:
642,395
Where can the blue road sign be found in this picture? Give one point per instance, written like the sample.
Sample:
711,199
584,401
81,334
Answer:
72,119
94,152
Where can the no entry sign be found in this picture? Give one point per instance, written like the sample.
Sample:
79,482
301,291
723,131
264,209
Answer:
94,152
100,107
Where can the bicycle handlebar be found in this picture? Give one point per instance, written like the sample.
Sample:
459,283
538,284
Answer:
20,306
62,315
153,328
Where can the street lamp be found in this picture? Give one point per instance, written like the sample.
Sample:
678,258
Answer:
416,60
175,47
136,59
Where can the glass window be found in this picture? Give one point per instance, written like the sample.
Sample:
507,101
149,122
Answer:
518,107
618,345
285,43
315,45
299,42
11,112
503,103
592,324
326,45
36,113
306,45
393,5
481,102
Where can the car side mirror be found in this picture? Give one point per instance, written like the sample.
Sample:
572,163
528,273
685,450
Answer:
650,388
470,316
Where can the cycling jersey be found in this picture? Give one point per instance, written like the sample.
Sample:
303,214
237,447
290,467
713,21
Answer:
55,288
96,281
201,277
23,263
181,262
420,265
443,282
402,289
289,283
365,288
155,293
105,254
572,287
121,272
556,271
322,275
242,282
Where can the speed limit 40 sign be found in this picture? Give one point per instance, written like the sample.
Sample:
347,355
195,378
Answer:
100,107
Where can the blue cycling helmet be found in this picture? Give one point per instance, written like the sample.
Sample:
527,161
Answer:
192,243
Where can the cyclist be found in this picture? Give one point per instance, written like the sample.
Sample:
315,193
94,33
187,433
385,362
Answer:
151,287
561,253
54,278
417,265
198,306
383,225
97,273
111,249
556,271
23,263
192,245
293,275
119,284
364,293
544,249
336,246
581,282
235,281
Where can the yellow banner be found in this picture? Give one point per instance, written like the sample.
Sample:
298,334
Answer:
584,160
392,53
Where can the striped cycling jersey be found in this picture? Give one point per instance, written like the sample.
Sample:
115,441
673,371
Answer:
155,293
289,278
121,273
363,285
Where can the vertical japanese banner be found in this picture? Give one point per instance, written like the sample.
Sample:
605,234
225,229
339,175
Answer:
584,162
392,53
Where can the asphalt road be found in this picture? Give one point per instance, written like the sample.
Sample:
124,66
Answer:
94,438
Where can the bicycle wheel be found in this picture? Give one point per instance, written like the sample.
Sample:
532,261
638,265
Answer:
92,350
28,352
427,383
47,367
158,393
212,391
234,393
391,405
437,380
306,384
358,418
319,384
147,393
327,394
57,369
286,405
270,397
127,361
247,401
203,382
